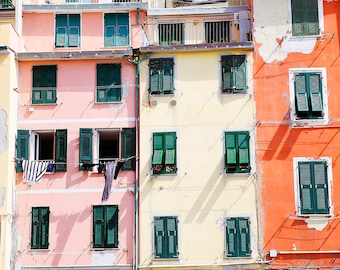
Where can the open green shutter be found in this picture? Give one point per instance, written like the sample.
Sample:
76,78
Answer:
171,248
129,147
306,186
85,147
61,150
170,148
321,187
301,93
244,237
311,17
159,236
315,89
157,157
45,217
35,228
98,226
61,30
243,148
231,235
230,144
23,137
111,226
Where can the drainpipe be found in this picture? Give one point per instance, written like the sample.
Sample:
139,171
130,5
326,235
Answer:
136,61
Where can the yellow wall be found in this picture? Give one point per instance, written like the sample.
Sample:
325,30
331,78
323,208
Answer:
201,195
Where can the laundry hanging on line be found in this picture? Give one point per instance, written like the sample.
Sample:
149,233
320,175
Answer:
111,172
34,170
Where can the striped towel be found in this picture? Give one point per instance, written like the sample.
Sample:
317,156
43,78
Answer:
34,170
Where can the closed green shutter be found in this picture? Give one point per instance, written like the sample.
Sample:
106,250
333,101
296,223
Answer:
129,147
74,30
231,235
305,18
312,17
172,237
306,188
297,17
40,228
243,146
67,30
238,237
170,148
44,85
230,142
244,237
237,152
321,187
111,226
161,76
301,95
240,73
155,76
98,226
108,83
61,150
159,237
315,92
116,30
23,137
61,30
234,73
167,76
85,147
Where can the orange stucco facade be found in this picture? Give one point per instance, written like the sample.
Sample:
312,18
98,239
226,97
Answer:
291,238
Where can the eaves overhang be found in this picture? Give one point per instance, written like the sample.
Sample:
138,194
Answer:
194,10
79,7
244,46
73,55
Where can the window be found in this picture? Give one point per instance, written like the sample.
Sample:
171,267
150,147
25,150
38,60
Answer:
238,237
308,92
67,30
43,145
234,78
164,153
313,185
102,145
171,33
166,237
237,152
161,75
105,226
40,227
44,89
216,32
109,83
305,17
116,29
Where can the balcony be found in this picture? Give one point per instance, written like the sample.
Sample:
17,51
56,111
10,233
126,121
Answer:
198,33
6,4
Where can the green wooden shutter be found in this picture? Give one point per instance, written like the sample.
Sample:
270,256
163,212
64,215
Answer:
306,188
297,17
116,30
227,73
167,76
155,75
243,151
240,73
171,232
231,235
61,30
111,226
301,93
23,137
170,148
85,147
109,29
74,30
244,237
305,18
45,213
35,228
129,147
122,38
159,237
315,89
44,84
98,226
61,150
311,17
40,228
158,151
321,187
231,150
108,75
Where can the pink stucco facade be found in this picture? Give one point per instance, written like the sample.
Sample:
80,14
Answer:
71,195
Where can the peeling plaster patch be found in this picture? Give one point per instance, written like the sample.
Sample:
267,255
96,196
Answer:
103,258
3,131
272,32
2,196
316,223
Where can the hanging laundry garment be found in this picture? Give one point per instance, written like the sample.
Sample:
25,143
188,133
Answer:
118,167
109,173
34,170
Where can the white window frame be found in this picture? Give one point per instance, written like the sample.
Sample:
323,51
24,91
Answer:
303,122
296,160
321,21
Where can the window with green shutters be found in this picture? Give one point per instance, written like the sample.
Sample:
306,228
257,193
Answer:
104,145
42,145
116,29
105,226
234,78
40,227
308,95
313,187
161,75
67,30
237,152
44,90
165,237
109,87
164,153
238,237
305,17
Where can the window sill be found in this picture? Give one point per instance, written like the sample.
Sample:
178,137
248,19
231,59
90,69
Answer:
309,123
44,104
109,102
